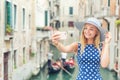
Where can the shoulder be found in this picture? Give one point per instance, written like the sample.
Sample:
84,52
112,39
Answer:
74,46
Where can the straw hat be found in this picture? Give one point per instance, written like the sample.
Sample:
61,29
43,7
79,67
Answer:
96,23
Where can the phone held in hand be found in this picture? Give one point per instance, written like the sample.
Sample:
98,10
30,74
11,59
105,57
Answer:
63,35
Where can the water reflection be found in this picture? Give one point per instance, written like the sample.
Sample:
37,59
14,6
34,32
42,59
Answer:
52,77
66,76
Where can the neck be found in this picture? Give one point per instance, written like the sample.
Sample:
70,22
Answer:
90,42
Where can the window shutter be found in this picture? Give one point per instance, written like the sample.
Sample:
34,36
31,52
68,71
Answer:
9,13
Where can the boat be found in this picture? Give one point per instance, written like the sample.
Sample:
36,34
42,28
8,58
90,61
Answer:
54,67
69,64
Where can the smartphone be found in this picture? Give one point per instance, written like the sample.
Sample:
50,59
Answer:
63,35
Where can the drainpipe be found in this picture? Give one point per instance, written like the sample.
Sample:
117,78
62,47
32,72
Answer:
11,42
12,53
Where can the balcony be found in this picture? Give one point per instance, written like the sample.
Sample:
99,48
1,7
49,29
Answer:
43,33
57,3
8,33
56,18
8,37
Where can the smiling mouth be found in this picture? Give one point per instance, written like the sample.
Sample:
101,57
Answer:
87,34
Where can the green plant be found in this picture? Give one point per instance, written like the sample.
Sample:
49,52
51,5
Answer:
8,28
32,54
117,22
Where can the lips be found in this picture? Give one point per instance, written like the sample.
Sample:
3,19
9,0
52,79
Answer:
87,35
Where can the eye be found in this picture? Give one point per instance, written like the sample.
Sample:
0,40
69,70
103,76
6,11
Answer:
92,29
85,28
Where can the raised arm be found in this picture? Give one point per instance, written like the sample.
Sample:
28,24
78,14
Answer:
67,49
105,51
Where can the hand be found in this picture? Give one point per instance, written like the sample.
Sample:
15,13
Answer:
108,38
55,38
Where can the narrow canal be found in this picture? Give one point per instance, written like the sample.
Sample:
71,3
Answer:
43,74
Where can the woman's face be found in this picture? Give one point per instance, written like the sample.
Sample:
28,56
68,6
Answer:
90,31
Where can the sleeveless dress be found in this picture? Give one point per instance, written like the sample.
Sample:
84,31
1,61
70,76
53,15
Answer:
89,63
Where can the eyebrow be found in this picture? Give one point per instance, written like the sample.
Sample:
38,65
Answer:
92,27
89,26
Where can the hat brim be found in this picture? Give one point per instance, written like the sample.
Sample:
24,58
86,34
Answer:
80,25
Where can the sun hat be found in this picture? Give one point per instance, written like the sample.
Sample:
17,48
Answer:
96,23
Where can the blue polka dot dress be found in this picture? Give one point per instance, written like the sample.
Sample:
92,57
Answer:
89,63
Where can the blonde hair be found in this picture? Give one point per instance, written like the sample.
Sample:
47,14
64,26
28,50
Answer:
83,40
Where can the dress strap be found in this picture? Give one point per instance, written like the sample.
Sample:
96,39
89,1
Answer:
79,48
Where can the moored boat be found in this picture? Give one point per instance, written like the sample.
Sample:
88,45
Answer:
69,64
54,67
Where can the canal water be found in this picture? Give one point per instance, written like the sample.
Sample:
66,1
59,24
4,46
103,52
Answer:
62,75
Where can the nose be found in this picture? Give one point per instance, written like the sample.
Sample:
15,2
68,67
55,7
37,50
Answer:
87,30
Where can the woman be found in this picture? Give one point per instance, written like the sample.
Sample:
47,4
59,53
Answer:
90,53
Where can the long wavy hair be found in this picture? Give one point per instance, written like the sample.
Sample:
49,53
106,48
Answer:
83,40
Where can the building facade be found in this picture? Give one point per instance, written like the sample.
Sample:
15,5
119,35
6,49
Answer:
62,17
17,31
42,23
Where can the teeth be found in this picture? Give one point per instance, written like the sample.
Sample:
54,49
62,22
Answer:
87,34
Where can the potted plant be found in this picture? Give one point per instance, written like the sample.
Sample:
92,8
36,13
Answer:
8,29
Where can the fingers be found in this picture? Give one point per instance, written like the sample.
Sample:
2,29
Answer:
55,38
108,35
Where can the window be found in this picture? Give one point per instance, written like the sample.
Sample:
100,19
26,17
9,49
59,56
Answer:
62,24
24,55
29,21
70,24
14,58
15,9
23,18
30,52
71,10
57,24
46,18
49,3
8,13
118,32
8,18
108,2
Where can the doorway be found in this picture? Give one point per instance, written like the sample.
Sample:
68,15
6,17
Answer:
6,56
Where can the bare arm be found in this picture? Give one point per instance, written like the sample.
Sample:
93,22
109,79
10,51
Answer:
105,59
105,56
67,49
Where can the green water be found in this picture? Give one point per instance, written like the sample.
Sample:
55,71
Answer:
106,74
43,75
